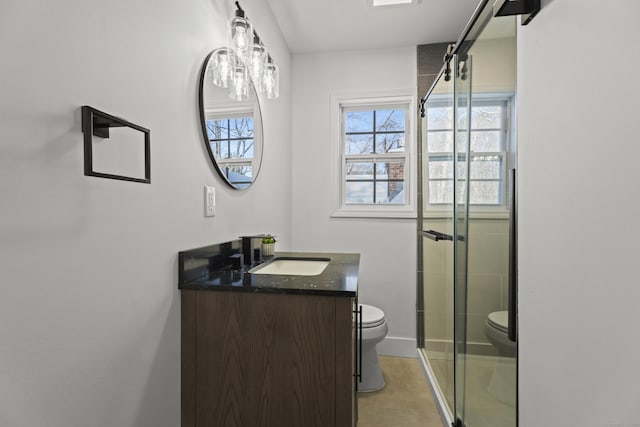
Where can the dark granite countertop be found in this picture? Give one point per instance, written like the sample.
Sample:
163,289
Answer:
339,278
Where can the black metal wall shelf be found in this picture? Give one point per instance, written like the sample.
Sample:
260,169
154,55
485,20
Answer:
98,123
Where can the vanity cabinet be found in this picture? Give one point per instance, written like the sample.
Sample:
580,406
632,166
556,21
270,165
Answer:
267,359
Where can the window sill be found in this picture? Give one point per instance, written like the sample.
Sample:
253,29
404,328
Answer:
375,213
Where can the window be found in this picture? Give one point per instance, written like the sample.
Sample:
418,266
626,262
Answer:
490,125
374,146
231,136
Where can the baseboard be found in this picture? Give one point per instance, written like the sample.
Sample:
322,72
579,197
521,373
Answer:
399,347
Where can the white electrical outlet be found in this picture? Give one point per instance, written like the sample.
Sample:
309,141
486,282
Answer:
209,201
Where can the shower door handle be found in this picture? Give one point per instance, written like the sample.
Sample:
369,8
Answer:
436,235
512,330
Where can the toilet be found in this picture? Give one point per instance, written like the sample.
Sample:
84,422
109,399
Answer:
502,384
374,329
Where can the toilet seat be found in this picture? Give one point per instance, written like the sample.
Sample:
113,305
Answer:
499,320
371,316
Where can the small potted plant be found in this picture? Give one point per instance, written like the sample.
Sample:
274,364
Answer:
268,245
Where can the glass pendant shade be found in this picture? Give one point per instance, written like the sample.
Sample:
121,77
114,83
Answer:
239,88
241,35
256,63
222,66
271,81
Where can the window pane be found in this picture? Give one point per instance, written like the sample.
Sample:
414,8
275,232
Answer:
440,118
359,192
390,192
240,176
390,170
241,127
359,144
389,120
486,116
359,170
440,167
485,193
241,149
215,148
358,121
222,149
390,143
440,192
485,140
486,167
217,129
440,142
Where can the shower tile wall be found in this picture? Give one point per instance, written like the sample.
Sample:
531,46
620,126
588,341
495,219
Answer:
429,64
487,277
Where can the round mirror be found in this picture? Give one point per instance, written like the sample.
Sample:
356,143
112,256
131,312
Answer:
232,129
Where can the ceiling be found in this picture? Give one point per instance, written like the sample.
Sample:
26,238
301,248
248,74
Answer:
337,25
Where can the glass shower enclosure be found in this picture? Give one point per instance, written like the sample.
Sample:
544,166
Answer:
465,244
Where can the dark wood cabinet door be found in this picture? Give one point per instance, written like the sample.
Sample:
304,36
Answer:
266,359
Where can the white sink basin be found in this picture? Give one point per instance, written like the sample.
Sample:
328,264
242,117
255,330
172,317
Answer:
293,266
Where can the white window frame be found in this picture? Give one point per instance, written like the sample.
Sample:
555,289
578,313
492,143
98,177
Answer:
479,210
378,100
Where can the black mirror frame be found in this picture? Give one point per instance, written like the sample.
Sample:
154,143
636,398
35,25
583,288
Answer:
205,135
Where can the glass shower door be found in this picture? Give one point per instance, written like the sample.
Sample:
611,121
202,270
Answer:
467,179
486,151
436,236
462,101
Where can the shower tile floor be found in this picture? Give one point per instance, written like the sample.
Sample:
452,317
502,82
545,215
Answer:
405,401
483,410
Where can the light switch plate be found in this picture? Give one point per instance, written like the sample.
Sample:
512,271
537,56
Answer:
209,201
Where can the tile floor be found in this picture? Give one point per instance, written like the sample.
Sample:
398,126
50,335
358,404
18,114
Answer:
482,409
405,401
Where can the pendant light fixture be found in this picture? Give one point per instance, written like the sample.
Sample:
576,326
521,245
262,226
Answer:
239,89
240,34
271,80
257,59
223,64
244,62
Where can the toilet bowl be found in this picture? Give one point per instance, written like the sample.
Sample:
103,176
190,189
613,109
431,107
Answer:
374,329
497,325
502,384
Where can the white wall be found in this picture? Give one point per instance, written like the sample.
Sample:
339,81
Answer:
89,306
578,169
387,247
